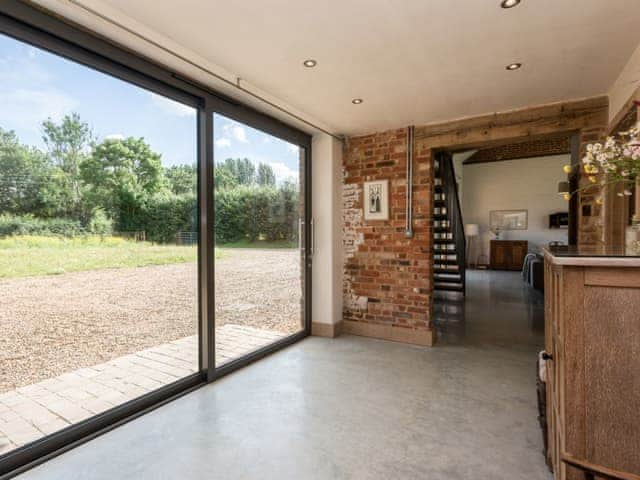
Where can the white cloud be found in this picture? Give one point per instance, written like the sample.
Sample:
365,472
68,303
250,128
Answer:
235,131
27,97
223,142
239,134
283,172
171,107
293,148
28,108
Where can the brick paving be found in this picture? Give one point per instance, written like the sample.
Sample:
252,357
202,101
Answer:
31,412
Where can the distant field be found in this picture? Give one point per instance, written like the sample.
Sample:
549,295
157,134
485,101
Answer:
24,256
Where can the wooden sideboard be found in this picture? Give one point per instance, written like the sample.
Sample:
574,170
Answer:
507,254
592,339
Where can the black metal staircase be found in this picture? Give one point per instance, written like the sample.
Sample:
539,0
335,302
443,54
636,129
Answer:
449,245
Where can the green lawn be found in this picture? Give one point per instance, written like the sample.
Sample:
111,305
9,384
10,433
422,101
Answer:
258,244
24,256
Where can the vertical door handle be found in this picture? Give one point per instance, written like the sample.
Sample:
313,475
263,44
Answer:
312,246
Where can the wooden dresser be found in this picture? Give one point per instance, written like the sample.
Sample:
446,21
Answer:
507,254
592,340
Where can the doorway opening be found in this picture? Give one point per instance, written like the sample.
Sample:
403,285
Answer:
495,208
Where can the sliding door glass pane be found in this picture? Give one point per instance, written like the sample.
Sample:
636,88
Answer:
259,269
98,242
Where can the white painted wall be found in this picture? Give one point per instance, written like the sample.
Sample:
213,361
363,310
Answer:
529,184
327,216
626,84
458,160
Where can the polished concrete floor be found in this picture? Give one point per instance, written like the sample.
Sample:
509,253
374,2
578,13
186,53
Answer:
352,408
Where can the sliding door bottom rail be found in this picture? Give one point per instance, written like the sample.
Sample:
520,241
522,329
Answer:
258,354
33,454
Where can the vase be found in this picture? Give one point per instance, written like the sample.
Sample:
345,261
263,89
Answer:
632,238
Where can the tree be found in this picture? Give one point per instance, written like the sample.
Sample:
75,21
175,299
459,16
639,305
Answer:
237,171
122,174
266,177
68,144
223,178
246,171
183,179
23,172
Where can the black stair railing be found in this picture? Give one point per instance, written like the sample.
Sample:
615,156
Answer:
454,212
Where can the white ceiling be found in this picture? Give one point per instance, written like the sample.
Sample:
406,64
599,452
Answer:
412,61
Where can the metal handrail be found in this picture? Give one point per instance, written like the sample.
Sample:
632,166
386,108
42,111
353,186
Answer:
452,200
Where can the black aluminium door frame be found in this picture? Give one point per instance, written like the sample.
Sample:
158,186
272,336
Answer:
247,116
36,27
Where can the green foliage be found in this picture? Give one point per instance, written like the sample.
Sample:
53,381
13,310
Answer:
266,176
183,179
100,223
81,187
223,178
254,213
29,225
161,217
236,171
23,172
68,144
121,175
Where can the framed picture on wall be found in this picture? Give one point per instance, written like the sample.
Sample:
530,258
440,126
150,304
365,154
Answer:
376,200
508,220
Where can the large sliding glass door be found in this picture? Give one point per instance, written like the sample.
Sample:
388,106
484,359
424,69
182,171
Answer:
147,244
260,247
98,243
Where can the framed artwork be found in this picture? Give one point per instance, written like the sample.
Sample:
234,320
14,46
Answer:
508,220
376,200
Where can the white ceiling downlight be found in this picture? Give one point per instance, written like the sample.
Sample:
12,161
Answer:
357,101
510,3
310,63
513,66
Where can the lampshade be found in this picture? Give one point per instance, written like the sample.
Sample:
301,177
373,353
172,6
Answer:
563,187
471,229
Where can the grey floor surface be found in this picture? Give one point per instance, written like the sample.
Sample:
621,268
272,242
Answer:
353,408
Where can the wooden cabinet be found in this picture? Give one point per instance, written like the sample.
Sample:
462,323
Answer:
592,333
508,254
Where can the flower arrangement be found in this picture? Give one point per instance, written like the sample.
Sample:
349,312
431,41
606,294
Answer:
618,158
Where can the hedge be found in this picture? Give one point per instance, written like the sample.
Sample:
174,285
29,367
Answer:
161,218
255,212
241,213
29,225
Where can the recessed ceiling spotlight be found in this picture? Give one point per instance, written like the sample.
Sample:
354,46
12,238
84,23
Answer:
510,3
357,101
513,66
310,63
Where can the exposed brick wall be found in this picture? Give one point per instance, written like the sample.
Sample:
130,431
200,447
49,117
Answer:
387,277
537,148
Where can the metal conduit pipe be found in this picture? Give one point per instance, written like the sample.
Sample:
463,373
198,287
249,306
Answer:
408,231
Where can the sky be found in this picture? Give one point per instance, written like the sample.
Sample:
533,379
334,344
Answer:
36,85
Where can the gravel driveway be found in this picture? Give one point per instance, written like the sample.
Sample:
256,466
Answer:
53,324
